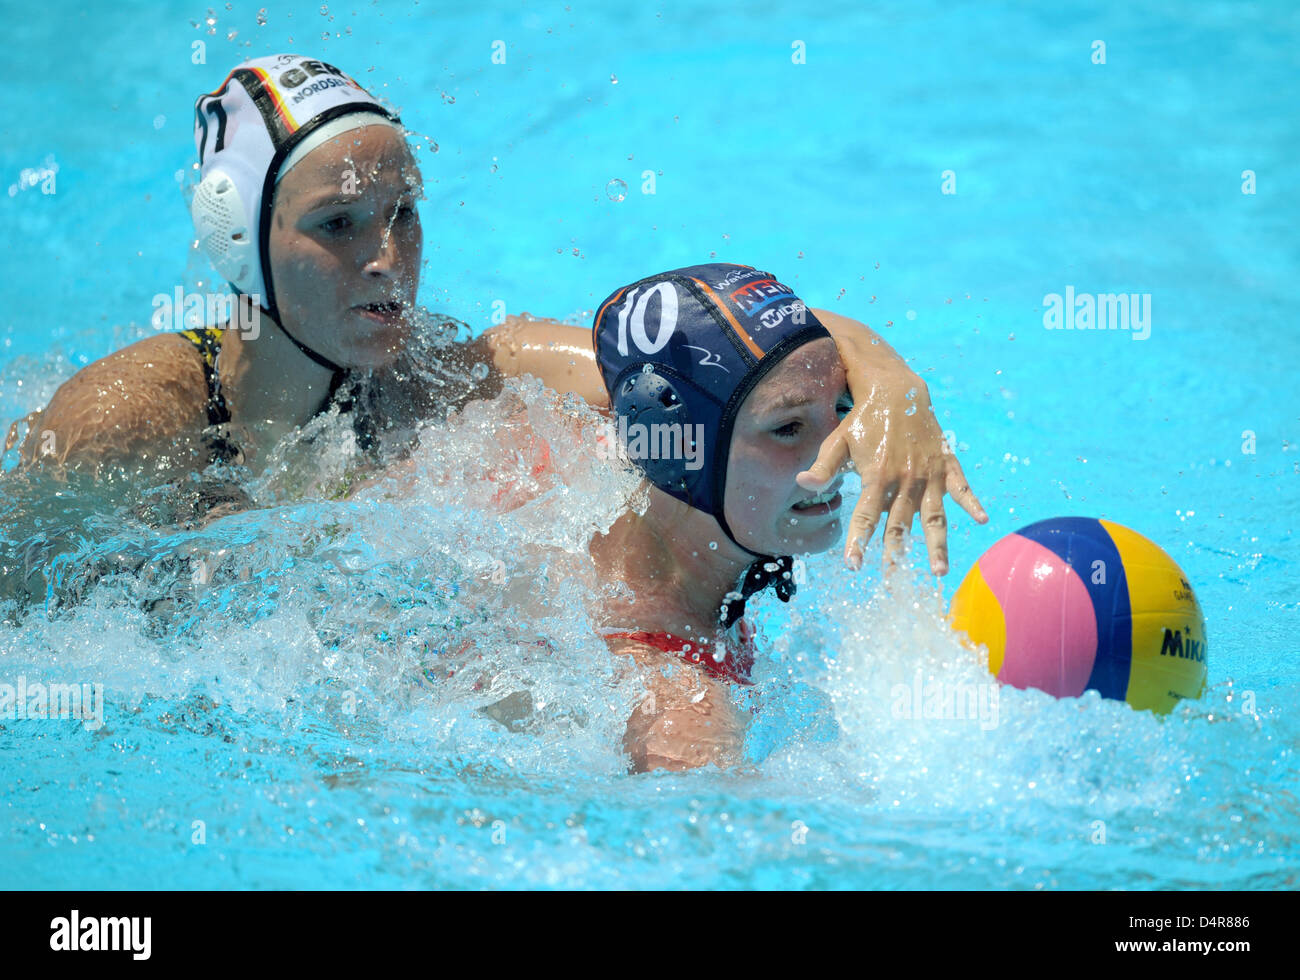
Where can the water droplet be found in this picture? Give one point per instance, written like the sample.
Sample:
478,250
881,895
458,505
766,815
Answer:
479,371
261,17
616,190
324,9
159,122
613,79
647,368
911,314
713,546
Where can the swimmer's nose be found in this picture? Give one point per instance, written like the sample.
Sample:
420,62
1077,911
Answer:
382,263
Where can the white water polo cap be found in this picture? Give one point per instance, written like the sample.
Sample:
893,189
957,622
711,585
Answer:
266,116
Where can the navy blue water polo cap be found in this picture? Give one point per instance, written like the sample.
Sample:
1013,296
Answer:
684,348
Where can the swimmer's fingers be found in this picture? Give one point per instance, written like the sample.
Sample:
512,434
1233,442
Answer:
960,491
866,515
935,525
901,513
831,457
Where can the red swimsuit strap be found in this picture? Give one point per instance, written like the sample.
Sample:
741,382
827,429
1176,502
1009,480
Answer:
732,668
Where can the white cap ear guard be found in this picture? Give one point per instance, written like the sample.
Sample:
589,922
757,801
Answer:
220,219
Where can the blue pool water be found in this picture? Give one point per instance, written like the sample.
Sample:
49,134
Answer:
271,727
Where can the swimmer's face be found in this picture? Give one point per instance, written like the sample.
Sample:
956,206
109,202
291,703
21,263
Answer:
345,247
781,425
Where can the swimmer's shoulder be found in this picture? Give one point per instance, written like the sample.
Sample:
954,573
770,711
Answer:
146,399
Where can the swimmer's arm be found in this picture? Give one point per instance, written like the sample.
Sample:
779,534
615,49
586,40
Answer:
904,460
143,407
686,720
559,354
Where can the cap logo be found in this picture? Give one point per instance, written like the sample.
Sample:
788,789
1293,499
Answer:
735,275
306,69
755,296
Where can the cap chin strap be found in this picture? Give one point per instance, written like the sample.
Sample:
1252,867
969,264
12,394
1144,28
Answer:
320,359
777,572
758,576
274,315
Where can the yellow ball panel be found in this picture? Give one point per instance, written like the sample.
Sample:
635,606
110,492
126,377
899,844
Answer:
1168,660
976,612
1169,642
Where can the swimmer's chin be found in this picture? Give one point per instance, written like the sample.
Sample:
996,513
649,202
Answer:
372,358
816,542
376,347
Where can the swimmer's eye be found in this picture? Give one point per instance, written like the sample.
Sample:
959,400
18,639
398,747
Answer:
335,225
844,405
788,431
406,212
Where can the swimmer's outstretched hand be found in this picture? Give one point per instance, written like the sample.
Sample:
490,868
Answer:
904,461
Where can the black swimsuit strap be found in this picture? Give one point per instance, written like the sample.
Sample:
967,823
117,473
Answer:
208,342
348,399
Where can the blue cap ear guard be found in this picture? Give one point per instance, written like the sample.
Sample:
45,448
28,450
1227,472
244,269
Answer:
643,397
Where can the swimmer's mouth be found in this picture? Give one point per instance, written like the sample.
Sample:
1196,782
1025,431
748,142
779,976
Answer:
389,312
823,503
